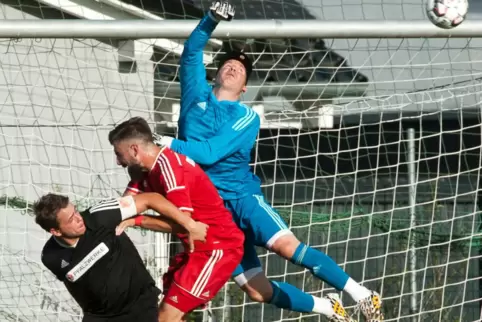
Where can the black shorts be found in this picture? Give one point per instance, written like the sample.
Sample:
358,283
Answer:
146,309
147,315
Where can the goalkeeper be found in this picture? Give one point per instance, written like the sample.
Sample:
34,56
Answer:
219,132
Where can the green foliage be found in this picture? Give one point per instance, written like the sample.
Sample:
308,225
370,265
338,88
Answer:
320,221
397,223
439,232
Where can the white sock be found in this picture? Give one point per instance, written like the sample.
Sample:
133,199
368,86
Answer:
356,291
323,306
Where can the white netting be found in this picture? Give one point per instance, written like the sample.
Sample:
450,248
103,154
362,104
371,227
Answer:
343,189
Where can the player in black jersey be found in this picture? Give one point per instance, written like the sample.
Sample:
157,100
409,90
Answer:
102,270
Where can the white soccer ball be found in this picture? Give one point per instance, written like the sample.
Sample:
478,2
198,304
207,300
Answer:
447,14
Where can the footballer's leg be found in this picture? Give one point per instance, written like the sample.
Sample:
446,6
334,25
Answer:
271,231
252,280
169,313
195,280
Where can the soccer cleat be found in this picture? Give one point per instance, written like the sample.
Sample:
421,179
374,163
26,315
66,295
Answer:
371,308
340,313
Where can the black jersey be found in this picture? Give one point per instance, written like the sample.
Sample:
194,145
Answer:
103,272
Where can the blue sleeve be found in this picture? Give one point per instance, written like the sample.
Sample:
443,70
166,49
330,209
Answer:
235,135
192,71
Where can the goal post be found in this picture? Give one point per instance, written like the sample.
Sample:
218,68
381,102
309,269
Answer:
252,29
371,152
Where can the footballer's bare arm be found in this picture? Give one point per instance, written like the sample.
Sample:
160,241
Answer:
157,202
153,223
151,200
110,213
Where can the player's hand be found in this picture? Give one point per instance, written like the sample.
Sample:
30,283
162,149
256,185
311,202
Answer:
222,10
198,231
124,225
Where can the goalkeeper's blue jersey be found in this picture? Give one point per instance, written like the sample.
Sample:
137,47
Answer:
218,135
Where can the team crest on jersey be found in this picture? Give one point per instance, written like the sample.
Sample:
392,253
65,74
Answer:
87,262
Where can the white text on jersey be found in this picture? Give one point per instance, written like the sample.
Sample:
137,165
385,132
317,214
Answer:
87,262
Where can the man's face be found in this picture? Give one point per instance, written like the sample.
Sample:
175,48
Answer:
126,153
71,224
232,75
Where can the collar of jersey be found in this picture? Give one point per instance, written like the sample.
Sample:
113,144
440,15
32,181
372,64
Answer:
157,158
65,245
213,97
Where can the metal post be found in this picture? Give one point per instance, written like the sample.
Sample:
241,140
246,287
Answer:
412,193
158,257
256,29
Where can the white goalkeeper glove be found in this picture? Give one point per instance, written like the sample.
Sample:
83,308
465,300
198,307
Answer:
162,140
222,10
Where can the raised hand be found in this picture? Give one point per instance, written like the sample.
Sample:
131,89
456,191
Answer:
124,225
222,10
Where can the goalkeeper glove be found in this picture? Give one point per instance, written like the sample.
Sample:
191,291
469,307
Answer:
162,140
222,11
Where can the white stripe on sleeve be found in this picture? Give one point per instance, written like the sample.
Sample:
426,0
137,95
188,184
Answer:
126,205
245,120
167,172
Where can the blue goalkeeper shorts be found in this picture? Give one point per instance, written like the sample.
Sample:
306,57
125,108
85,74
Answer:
262,226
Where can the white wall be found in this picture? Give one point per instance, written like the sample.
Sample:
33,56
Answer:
72,89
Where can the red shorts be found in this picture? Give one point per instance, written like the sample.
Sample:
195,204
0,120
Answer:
193,279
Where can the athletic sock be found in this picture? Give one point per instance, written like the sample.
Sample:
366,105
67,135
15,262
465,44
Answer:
321,265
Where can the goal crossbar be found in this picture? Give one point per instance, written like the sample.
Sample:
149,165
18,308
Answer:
287,89
254,29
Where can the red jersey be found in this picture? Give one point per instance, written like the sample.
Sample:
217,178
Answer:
188,187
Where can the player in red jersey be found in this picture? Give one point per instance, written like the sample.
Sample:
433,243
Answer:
193,277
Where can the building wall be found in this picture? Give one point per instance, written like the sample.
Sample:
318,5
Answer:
416,69
59,99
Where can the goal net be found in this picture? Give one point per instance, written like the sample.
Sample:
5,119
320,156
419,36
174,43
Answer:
370,150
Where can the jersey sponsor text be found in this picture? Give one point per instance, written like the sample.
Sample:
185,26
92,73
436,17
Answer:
87,262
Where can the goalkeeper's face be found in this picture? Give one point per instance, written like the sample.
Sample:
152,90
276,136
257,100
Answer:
71,224
232,76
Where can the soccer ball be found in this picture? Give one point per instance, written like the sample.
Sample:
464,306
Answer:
447,14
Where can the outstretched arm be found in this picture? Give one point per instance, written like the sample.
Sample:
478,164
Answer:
111,213
192,71
234,135
154,223
161,205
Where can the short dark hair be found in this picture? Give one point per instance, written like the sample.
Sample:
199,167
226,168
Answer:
133,128
46,209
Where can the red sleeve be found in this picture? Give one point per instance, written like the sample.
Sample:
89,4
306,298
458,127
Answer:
172,180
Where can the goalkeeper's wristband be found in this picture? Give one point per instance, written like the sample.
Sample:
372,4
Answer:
138,220
213,17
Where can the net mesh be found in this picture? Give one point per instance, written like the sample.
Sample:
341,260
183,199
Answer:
344,189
